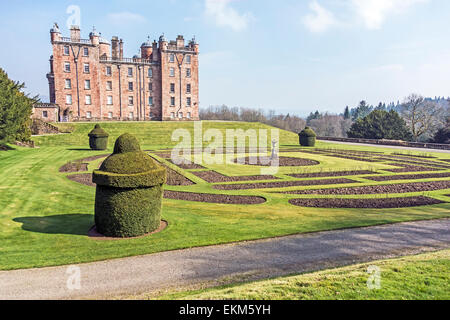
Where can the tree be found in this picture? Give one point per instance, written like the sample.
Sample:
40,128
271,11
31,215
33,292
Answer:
423,117
347,113
380,124
15,110
443,134
362,110
330,126
313,116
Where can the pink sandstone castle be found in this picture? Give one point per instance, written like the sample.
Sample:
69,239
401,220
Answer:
90,80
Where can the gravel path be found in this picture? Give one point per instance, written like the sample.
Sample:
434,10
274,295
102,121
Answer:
228,263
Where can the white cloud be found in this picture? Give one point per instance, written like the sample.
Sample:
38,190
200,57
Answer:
126,17
224,15
320,20
375,12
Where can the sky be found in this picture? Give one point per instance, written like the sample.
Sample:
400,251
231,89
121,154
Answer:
291,56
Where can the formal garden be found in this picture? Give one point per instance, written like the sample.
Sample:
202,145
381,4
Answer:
48,197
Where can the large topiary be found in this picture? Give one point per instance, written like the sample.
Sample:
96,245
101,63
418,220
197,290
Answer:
307,137
98,138
129,191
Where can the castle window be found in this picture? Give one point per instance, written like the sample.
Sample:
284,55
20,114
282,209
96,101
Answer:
87,84
88,100
131,116
130,86
109,100
69,99
180,115
67,66
86,52
188,101
150,86
188,72
66,50
68,84
152,115
130,72
150,72
110,115
188,115
188,88
172,115
88,115
172,72
172,57
86,68
150,101
188,59
130,101
44,114
172,87
172,101
108,71
108,85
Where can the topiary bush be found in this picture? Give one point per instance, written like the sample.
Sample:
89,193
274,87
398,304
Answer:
129,191
98,138
307,137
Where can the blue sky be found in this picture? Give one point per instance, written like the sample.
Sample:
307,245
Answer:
291,56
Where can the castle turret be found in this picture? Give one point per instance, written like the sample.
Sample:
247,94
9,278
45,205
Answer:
163,43
95,37
146,49
104,48
55,34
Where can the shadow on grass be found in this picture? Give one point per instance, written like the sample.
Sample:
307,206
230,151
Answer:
74,224
5,147
81,149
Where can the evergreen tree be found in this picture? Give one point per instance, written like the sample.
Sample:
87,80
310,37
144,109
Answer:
15,110
347,113
380,124
361,111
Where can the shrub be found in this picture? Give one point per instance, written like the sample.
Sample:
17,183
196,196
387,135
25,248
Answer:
129,191
380,124
98,138
307,137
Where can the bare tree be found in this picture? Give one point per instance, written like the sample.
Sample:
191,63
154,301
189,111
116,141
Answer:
422,117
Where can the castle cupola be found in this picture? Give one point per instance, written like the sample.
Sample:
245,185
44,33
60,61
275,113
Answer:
147,49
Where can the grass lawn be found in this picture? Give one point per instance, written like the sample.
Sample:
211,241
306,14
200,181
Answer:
420,277
44,217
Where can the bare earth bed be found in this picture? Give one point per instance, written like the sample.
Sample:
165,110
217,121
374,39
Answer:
283,162
213,198
331,174
176,179
366,203
282,184
215,177
74,167
410,176
389,188
403,168
188,166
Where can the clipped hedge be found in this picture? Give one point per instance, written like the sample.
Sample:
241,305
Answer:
129,191
307,137
98,138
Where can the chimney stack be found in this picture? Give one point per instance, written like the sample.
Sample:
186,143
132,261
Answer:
115,48
121,49
75,34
